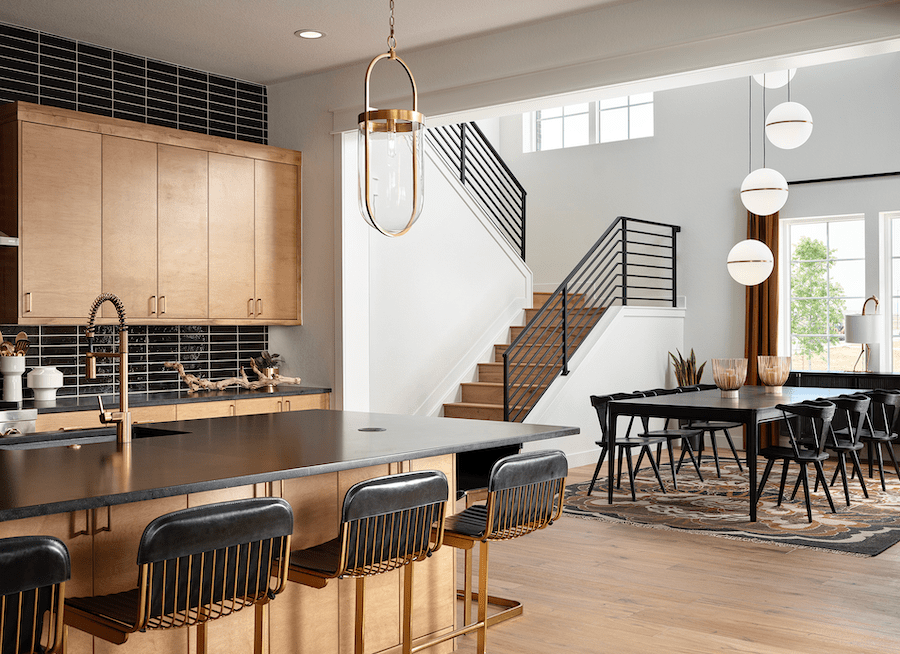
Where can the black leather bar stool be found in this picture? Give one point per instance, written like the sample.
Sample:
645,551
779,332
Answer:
525,493
197,565
386,523
33,575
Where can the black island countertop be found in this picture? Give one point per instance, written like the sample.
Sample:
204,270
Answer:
191,456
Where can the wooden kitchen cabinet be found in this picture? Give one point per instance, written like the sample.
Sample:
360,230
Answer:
59,232
185,228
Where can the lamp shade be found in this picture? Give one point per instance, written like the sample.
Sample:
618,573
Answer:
789,125
861,328
750,262
764,191
776,79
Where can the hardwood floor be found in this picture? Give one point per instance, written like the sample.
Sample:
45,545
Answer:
592,586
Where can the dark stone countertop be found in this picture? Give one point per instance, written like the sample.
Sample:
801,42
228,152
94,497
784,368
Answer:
200,455
89,403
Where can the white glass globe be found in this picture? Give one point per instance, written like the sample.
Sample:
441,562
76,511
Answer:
750,262
764,191
775,79
789,125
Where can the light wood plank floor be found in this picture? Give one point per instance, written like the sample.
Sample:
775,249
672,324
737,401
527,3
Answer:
592,586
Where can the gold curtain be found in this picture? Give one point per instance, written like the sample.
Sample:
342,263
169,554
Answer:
761,326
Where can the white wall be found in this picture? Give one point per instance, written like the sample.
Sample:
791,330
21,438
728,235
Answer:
439,298
612,46
689,173
603,366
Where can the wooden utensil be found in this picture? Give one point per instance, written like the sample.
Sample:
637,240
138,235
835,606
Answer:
22,344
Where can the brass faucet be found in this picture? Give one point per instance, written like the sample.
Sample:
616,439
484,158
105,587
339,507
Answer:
122,417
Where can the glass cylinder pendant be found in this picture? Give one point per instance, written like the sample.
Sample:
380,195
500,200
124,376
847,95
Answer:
391,158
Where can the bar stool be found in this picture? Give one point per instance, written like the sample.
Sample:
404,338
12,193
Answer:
196,565
33,574
386,523
525,493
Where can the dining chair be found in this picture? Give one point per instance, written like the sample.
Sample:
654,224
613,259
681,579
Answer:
525,494
33,575
854,411
624,444
671,434
197,565
809,428
882,429
387,523
710,427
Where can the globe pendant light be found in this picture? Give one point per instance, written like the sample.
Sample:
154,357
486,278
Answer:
789,125
764,191
776,79
391,145
750,262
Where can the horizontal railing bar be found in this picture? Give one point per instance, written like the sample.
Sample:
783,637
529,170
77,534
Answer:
646,233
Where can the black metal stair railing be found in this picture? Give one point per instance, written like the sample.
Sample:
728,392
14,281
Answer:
481,170
632,263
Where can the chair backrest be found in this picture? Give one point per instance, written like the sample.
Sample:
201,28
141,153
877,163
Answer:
33,575
525,493
812,428
209,561
601,406
390,521
854,409
884,413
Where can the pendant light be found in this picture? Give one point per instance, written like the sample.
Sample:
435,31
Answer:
391,172
776,79
750,262
789,124
764,191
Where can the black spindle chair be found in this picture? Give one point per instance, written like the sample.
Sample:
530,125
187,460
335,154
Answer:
854,410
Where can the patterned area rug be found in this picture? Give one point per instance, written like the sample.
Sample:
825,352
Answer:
720,507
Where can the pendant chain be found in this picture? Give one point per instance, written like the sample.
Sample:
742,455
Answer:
392,42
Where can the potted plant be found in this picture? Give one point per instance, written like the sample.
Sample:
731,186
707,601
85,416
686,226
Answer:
686,371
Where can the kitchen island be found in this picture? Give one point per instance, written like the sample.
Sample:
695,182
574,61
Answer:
98,499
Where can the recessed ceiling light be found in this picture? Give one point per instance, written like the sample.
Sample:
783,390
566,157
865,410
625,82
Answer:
309,34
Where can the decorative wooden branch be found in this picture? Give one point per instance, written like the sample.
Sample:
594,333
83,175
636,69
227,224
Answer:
195,383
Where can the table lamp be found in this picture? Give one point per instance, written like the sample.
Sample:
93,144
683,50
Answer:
862,328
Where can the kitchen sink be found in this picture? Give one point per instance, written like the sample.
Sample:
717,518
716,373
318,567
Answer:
76,439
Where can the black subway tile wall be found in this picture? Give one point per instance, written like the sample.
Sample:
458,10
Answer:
211,352
51,70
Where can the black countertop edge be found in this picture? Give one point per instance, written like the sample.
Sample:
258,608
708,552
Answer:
89,403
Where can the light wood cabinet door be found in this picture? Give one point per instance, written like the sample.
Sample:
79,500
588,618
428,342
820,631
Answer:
129,225
60,235
277,241
232,292
183,223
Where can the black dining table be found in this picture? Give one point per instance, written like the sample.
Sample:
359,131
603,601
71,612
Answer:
753,406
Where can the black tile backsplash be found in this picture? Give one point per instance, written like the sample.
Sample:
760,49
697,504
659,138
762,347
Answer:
59,72
212,352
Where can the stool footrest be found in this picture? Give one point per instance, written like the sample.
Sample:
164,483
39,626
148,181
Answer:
512,608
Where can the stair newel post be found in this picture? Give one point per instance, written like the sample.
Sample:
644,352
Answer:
462,153
506,385
624,261
565,331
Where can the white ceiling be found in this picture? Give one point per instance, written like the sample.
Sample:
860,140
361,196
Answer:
254,40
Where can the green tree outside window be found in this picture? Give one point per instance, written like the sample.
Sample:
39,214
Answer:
817,308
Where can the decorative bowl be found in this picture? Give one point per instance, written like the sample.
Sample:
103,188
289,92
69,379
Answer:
729,375
773,372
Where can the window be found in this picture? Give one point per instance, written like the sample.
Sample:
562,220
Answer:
619,119
625,118
825,279
895,291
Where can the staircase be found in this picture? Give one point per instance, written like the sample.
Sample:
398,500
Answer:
483,399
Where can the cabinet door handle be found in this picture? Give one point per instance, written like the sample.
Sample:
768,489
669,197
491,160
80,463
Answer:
152,304
28,303
280,408
73,530
250,307
259,307
232,409
287,404
162,304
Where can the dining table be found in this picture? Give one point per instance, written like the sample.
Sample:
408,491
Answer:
752,406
